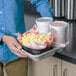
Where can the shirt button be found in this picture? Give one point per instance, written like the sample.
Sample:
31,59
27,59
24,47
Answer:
3,28
0,12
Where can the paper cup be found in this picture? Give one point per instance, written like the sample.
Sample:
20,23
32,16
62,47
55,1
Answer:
43,24
60,27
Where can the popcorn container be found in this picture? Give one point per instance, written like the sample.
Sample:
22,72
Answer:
34,42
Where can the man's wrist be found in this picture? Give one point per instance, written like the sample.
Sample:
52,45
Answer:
4,38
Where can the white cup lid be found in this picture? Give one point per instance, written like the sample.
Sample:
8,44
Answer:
44,19
59,25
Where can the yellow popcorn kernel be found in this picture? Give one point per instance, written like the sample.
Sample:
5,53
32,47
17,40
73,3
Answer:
28,35
33,34
37,35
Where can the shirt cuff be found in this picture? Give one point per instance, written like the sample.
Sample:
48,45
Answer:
1,35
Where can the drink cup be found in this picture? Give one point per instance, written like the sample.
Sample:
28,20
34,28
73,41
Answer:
60,28
43,24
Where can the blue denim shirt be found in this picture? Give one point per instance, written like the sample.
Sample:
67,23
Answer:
12,22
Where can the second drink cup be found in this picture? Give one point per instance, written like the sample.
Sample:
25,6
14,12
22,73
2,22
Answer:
60,29
43,24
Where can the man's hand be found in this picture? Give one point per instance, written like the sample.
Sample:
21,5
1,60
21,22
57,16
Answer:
13,45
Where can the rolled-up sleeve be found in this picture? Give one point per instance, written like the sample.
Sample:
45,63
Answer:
43,7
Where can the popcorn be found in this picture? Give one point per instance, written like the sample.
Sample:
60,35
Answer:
34,40
28,39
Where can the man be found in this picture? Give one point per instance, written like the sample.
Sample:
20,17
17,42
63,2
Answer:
11,22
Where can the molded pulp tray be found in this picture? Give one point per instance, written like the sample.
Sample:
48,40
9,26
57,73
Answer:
46,53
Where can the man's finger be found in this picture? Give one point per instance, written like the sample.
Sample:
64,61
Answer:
18,53
17,45
17,50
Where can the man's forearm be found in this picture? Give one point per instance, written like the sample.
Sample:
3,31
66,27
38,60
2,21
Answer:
43,7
